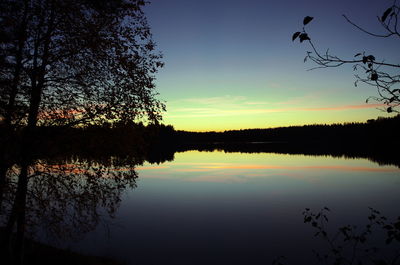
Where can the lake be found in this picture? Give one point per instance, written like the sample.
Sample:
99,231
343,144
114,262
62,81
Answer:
238,208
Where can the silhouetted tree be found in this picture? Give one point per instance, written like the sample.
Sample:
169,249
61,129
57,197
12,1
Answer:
68,63
382,74
76,62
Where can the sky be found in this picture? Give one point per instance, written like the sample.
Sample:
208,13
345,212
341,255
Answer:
231,64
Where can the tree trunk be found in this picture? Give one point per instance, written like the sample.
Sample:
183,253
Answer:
38,80
18,66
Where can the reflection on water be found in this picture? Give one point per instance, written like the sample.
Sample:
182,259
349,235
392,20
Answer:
232,208
200,208
59,199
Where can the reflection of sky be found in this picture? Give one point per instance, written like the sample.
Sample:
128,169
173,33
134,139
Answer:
232,208
231,64
197,166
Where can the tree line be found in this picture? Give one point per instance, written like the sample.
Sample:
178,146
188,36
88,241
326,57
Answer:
372,131
157,143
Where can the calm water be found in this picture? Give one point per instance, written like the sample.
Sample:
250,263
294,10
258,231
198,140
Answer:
238,208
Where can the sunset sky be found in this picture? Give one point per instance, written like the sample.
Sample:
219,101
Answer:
231,64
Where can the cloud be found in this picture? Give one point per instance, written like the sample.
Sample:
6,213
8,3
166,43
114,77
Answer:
227,99
346,107
241,110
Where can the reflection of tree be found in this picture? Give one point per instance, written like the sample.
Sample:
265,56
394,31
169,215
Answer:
64,198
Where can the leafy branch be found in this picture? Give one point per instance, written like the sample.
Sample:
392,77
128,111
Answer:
351,245
383,75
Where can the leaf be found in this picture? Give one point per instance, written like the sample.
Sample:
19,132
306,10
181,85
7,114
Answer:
364,59
374,76
389,110
303,37
307,20
295,35
358,54
385,14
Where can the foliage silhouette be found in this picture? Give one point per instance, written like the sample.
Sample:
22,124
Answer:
76,62
67,63
377,72
377,242
352,245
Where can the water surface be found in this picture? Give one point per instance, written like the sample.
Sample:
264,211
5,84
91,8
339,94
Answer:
239,208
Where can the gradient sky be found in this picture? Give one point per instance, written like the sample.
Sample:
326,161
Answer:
231,64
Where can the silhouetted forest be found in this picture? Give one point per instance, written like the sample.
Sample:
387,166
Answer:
375,139
373,131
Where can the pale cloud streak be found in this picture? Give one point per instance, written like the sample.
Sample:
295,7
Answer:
346,107
227,99
240,110
240,101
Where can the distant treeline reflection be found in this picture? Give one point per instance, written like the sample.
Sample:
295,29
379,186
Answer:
376,140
